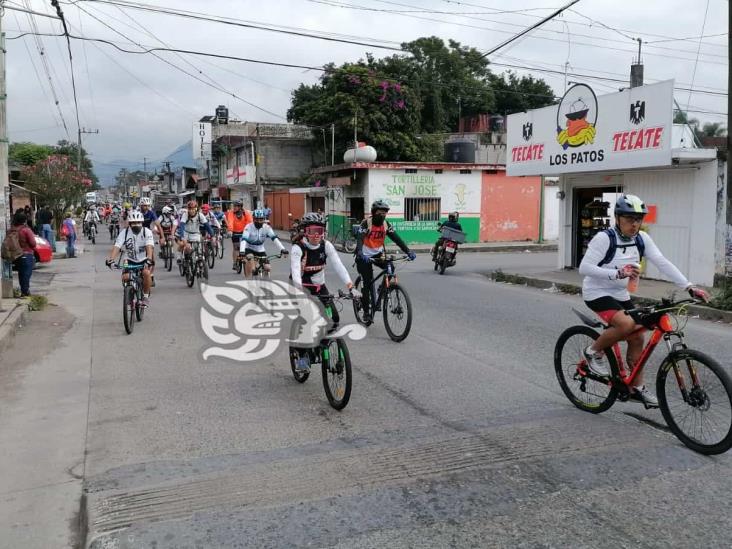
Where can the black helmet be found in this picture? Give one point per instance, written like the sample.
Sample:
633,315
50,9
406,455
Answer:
453,216
312,218
238,203
629,204
379,205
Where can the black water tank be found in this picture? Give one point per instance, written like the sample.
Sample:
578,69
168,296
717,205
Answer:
460,151
222,114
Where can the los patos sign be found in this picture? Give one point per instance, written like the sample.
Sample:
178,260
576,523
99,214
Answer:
584,133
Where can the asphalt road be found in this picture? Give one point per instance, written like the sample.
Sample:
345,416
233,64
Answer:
457,437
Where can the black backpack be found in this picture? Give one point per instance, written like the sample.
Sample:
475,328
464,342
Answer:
610,254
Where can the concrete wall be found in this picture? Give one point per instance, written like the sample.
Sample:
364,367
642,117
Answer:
509,208
284,160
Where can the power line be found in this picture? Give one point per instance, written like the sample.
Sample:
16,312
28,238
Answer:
693,74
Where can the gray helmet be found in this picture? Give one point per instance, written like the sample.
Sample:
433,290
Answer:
629,204
238,203
379,205
312,218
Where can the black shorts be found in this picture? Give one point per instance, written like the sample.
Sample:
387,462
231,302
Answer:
236,238
255,254
606,307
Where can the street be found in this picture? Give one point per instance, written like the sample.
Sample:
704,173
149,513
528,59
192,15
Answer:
458,437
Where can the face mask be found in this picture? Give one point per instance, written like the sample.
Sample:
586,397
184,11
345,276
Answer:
378,219
136,229
239,213
258,224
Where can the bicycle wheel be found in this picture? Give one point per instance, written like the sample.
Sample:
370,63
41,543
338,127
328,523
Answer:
203,273
570,366
210,256
221,249
337,376
350,245
93,236
128,308
397,313
168,258
358,304
182,267
696,401
239,266
301,376
190,272
139,309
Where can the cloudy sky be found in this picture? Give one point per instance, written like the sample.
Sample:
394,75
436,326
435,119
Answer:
144,106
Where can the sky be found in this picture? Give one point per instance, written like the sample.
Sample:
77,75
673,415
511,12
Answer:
144,107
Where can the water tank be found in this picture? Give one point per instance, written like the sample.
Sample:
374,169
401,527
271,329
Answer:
362,154
222,114
460,151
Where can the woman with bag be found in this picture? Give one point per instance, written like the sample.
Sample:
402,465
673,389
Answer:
68,232
27,243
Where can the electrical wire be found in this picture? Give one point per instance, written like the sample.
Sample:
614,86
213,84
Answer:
693,74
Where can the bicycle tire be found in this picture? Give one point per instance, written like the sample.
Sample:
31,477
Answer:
182,267
203,275
702,398
168,258
239,267
301,376
575,357
350,245
358,304
210,256
190,273
139,309
221,249
393,293
339,371
128,306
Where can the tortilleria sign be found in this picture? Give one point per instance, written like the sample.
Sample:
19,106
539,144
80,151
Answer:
629,129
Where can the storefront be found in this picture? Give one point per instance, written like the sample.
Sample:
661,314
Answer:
626,142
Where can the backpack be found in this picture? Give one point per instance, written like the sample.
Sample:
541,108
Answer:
64,229
11,249
610,254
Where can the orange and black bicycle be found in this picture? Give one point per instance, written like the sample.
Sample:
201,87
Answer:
696,401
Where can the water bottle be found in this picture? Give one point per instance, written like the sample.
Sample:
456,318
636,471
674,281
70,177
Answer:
633,282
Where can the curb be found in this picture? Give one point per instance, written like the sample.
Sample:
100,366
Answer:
486,249
10,325
705,313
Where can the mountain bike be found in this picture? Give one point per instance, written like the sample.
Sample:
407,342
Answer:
222,236
259,263
392,298
194,265
113,229
166,253
132,304
696,401
333,356
210,251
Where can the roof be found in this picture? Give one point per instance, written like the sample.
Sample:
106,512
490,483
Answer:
453,166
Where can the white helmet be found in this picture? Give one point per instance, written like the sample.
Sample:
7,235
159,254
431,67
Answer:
145,201
167,210
135,217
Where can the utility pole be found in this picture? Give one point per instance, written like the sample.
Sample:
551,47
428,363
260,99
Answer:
332,144
4,179
78,152
728,255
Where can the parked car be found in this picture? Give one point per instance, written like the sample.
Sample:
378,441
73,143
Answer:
44,253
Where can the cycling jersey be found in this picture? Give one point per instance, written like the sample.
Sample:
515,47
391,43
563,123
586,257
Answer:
148,218
307,263
190,229
373,237
168,223
134,244
213,221
253,238
91,215
603,281
238,224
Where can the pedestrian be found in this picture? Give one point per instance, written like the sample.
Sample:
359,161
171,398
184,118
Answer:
29,217
37,221
47,231
25,263
68,229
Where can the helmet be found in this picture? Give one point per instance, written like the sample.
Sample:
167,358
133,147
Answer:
135,217
453,216
192,204
205,208
312,218
258,214
238,203
127,205
167,210
629,204
379,205
145,201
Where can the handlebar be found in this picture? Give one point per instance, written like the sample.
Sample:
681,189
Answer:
665,305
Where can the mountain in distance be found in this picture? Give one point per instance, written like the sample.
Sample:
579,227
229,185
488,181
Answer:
107,171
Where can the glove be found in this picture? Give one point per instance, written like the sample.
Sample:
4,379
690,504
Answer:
412,256
699,293
627,271
108,262
355,294
284,252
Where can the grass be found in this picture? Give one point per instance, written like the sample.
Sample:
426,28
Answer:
37,302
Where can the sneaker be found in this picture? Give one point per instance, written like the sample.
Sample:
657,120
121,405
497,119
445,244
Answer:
596,362
233,267
303,363
145,301
641,394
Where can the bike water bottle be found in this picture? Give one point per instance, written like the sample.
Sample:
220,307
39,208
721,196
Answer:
633,282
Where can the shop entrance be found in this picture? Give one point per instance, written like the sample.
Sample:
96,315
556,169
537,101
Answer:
356,209
592,212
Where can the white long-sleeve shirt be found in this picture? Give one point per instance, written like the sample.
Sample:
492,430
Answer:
319,277
253,239
603,281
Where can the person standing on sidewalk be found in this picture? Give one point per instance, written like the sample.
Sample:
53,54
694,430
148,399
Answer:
45,219
26,262
68,229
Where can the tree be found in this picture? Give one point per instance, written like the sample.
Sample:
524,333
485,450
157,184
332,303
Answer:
71,150
27,154
514,94
57,182
713,129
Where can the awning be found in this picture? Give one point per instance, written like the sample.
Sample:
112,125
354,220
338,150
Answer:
22,188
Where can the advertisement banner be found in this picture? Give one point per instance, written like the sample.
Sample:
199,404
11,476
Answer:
202,141
585,133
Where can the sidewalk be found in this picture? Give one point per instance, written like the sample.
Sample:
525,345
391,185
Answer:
570,281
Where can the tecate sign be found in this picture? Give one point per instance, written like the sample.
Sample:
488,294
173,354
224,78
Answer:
202,140
584,133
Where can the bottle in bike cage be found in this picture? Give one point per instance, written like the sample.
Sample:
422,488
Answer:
389,269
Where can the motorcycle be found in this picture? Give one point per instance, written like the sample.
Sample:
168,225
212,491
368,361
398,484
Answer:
446,253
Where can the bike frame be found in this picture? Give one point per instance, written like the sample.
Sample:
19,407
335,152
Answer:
388,274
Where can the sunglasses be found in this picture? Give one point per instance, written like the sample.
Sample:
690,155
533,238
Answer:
314,231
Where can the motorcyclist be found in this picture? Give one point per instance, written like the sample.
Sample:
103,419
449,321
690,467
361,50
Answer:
451,223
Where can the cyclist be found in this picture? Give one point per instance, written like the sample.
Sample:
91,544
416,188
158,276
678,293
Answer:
252,242
307,267
189,227
219,215
91,217
212,221
151,219
236,221
370,244
138,243
452,223
612,258
114,216
168,224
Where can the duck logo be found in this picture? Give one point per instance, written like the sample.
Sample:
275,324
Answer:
528,131
576,117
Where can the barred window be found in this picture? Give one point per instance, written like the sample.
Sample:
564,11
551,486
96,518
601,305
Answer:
422,209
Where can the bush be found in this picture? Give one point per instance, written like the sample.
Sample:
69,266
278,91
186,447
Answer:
723,297
37,302
79,211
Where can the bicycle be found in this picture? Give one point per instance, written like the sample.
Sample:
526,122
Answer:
345,237
132,304
219,244
333,356
700,381
194,265
392,298
113,229
210,251
260,262
166,253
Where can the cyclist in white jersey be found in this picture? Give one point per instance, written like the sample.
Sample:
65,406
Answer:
138,244
252,242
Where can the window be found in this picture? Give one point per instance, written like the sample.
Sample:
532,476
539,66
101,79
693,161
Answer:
422,209
410,170
438,171
465,171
